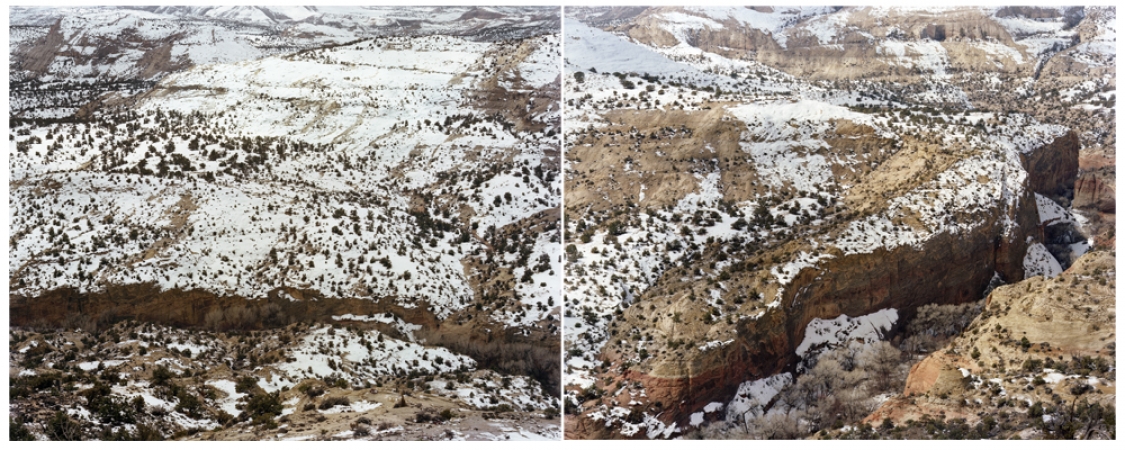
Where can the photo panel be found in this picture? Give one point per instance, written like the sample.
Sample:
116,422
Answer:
285,223
839,222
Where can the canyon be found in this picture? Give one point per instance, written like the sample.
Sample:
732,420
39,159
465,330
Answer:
743,195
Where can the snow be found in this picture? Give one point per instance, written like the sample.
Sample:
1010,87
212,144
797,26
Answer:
787,153
1101,48
1051,212
714,344
91,365
542,66
587,47
866,329
785,273
974,184
303,184
542,295
826,27
382,355
1080,248
974,181
1054,377
1039,262
1021,26
228,404
697,418
519,434
683,25
404,327
520,392
654,427
773,23
753,396
1000,51
290,406
929,56
199,42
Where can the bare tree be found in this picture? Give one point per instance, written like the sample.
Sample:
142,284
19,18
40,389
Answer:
884,363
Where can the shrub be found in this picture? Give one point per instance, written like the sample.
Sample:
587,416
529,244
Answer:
62,428
108,409
18,432
147,433
502,408
245,385
263,404
334,401
314,390
188,403
430,414
161,375
224,418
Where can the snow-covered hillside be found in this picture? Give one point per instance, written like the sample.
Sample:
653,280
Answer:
64,58
402,160
313,160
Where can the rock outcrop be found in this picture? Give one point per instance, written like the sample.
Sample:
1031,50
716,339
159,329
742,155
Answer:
1049,331
39,56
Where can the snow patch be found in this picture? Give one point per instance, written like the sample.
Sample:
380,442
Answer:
866,329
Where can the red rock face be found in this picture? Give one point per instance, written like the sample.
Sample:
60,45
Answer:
949,269
1095,190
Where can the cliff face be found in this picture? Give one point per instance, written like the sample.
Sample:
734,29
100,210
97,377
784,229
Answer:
1096,183
192,308
947,269
802,51
1053,169
904,279
1097,190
